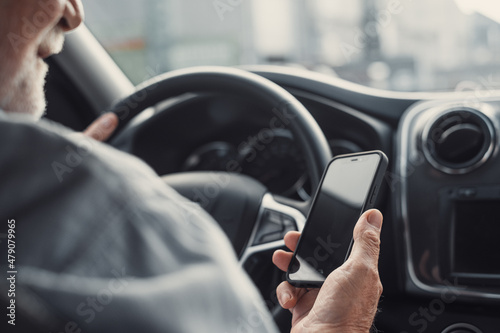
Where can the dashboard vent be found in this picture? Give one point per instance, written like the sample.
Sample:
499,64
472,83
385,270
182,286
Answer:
458,140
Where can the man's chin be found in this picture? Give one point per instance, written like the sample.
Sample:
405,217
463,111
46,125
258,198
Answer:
26,94
34,114
33,108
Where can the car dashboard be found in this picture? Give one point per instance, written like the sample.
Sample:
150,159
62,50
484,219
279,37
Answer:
440,258
216,133
447,193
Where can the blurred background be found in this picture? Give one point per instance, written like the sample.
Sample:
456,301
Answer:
401,45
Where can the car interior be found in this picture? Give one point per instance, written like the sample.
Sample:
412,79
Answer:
266,131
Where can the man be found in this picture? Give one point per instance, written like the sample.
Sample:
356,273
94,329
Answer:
111,248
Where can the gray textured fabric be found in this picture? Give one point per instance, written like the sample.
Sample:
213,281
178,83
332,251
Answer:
103,245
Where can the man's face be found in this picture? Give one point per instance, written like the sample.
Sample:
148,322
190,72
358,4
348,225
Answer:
31,30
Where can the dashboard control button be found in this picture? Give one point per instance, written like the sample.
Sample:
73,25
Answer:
270,237
273,227
467,193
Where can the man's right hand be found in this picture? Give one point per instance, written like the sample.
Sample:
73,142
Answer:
348,299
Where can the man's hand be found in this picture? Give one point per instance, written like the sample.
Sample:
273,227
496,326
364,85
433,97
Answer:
102,128
347,301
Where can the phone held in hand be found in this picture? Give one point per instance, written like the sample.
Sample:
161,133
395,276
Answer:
349,187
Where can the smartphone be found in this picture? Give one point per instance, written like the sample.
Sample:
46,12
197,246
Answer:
349,187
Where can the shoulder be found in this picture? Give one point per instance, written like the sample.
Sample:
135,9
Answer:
63,185
46,161
44,148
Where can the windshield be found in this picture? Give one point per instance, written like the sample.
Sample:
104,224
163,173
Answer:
401,45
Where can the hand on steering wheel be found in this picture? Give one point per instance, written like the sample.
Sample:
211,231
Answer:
103,127
347,301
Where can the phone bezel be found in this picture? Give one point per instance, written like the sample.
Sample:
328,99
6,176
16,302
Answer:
367,204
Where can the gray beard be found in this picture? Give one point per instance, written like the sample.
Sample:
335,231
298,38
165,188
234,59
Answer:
23,96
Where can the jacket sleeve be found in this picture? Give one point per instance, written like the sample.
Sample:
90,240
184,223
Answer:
103,245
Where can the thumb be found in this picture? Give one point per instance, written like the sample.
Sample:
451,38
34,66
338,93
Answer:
366,245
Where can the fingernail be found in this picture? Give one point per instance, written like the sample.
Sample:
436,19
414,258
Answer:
284,298
375,219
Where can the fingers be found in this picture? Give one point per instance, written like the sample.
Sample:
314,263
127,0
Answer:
291,239
102,128
287,295
366,247
282,259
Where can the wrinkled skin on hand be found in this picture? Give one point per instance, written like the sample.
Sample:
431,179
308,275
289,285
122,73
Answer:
348,299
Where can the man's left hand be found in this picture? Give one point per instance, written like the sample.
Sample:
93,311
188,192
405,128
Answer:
103,127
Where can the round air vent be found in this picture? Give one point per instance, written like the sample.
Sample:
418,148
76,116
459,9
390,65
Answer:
462,328
459,140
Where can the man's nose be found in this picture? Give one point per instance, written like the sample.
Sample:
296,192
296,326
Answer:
73,15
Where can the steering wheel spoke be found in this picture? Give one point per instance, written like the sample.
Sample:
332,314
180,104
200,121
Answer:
274,220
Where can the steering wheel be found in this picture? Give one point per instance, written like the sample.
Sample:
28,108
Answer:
253,219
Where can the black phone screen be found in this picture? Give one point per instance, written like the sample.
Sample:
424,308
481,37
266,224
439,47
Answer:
326,239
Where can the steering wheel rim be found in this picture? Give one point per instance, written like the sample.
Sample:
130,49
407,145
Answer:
288,109
285,107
